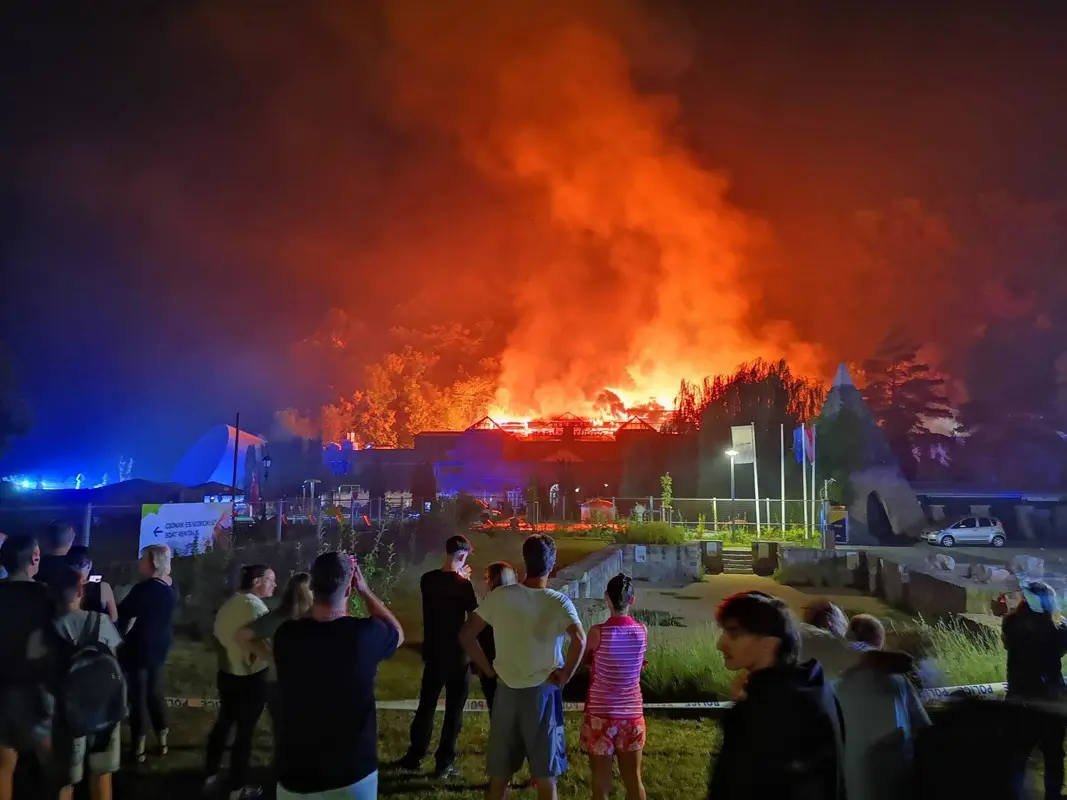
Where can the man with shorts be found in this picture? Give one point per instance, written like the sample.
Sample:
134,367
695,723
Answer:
531,623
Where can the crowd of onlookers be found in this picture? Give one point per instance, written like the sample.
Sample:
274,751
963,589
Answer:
76,665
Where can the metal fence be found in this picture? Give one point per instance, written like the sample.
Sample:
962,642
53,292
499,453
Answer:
113,531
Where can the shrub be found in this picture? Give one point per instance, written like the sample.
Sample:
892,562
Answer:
382,570
653,533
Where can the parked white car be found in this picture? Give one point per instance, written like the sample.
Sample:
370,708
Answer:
969,530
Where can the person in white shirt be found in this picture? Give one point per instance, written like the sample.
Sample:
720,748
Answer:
241,681
532,624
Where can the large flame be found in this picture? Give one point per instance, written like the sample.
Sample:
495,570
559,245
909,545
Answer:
643,285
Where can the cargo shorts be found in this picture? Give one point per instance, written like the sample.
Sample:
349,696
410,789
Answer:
527,725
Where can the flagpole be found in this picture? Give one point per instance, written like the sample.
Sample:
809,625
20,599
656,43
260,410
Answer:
755,477
814,495
782,433
804,477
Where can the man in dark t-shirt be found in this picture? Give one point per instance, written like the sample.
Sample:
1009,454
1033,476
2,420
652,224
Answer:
447,598
326,663
56,561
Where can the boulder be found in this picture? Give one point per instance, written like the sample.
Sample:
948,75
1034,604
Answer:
940,562
1031,566
1000,575
982,573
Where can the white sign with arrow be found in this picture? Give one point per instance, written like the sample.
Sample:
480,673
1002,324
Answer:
185,527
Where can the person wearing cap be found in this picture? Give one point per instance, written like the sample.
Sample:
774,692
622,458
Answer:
1036,644
328,739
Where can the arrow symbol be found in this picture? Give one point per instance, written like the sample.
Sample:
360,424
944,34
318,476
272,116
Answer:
158,531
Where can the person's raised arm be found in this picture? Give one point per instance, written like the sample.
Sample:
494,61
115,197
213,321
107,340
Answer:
468,637
375,607
107,594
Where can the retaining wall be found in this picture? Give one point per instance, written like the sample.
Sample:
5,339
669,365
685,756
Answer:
916,588
588,578
655,563
662,563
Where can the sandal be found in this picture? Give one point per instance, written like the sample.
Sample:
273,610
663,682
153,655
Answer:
161,737
139,754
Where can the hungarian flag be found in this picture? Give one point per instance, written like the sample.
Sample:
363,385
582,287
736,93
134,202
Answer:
804,443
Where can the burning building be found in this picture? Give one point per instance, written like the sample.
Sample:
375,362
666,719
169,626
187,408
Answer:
570,455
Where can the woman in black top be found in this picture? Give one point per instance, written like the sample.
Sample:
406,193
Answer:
497,574
146,619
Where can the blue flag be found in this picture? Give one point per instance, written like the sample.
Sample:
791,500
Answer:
801,448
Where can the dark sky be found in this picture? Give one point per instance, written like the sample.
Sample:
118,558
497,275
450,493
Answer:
187,189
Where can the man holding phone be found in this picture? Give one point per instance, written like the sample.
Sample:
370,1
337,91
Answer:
328,745
447,599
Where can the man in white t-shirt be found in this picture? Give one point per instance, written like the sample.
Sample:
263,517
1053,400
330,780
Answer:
531,623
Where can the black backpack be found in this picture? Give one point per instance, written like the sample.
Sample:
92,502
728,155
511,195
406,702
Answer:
90,686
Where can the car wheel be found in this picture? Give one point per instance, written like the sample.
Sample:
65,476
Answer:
998,541
947,541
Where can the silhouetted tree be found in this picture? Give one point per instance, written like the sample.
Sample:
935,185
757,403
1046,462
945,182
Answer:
904,394
765,394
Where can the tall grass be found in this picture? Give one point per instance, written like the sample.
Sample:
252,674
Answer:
961,654
688,668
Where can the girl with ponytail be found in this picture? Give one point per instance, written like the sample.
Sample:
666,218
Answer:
614,724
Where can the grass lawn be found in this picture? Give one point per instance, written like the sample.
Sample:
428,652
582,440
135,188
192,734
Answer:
683,664
676,760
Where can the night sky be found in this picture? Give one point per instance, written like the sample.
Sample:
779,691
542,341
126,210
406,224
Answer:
187,189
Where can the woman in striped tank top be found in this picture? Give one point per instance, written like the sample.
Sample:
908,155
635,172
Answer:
614,711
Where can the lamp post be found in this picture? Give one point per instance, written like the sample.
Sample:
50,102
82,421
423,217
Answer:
266,475
733,488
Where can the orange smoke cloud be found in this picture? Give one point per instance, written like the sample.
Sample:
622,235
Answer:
646,284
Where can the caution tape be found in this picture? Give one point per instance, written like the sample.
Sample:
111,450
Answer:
481,707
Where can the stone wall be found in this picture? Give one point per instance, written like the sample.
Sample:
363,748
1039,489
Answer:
588,579
661,563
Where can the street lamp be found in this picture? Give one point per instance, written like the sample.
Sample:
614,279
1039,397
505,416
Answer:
266,475
733,454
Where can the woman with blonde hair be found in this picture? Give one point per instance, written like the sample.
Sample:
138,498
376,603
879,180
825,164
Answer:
146,621
497,574
258,636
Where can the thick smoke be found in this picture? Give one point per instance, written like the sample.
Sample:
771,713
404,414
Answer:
646,283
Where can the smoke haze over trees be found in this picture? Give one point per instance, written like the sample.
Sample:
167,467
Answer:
622,189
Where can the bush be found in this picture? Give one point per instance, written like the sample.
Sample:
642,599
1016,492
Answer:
653,533
746,535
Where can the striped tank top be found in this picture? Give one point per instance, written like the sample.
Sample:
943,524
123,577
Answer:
615,682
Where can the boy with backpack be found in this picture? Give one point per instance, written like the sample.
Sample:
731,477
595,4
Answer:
88,689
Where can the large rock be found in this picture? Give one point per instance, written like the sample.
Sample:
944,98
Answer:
941,562
1031,566
984,573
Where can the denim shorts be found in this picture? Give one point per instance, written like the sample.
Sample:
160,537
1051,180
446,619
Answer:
527,725
366,789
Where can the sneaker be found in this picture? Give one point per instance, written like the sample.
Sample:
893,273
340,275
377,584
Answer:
246,793
444,771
